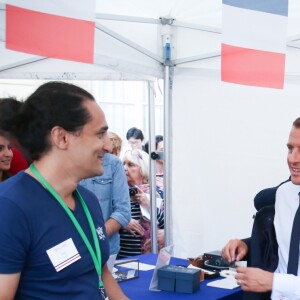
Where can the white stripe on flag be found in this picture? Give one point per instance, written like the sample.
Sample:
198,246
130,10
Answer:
254,29
77,9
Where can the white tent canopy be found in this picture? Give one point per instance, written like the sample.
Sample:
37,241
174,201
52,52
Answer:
226,142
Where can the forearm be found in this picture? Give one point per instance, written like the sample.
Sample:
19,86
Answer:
112,226
8,285
112,288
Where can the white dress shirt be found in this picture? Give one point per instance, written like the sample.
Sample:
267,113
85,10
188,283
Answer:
285,286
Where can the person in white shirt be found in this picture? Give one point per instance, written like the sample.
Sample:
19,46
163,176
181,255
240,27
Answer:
280,284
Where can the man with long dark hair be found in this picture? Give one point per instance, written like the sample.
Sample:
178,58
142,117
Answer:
53,242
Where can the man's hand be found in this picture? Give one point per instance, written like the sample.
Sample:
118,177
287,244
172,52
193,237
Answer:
254,279
235,250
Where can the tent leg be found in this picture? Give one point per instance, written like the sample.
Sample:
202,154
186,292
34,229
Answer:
167,152
154,244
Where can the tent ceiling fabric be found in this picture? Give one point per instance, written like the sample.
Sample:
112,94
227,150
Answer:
195,41
222,141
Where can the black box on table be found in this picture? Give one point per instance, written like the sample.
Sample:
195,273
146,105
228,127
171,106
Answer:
178,279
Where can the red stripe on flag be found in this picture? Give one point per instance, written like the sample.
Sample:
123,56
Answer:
49,35
252,67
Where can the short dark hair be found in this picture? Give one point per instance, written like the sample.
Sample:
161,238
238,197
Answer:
158,138
296,123
135,133
8,109
52,104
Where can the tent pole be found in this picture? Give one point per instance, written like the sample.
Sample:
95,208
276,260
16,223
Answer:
167,34
167,154
151,102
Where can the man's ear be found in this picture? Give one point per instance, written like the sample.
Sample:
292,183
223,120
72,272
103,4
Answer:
59,137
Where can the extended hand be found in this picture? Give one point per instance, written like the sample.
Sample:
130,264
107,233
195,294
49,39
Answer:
235,250
254,279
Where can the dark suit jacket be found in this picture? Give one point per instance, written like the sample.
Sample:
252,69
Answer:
267,196
263,247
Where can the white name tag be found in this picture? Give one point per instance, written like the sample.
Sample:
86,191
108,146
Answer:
63,254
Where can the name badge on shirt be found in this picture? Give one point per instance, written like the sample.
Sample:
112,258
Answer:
63,254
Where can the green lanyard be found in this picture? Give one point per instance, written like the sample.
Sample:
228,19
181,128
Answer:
96,257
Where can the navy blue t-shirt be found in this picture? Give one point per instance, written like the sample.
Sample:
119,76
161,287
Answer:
32,222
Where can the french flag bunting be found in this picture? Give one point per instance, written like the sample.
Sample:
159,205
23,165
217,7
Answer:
63,29
254,34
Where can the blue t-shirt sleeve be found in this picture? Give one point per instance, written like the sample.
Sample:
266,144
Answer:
14,237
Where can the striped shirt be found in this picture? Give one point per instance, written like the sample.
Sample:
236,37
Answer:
131,245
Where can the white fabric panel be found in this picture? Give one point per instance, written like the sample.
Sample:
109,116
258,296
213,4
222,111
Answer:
107,45
229,142
78,9
254,29
193,11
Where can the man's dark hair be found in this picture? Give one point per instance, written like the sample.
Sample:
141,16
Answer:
158,138
135,133
296,123
8,109
52,104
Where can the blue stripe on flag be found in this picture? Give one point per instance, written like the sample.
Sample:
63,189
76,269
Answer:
277,7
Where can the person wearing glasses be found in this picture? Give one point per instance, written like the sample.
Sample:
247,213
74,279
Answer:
135,138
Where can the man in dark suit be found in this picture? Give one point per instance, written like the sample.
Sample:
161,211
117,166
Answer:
276,238
274,266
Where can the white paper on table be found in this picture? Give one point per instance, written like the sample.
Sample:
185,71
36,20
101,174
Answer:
134,265
226,283
111,262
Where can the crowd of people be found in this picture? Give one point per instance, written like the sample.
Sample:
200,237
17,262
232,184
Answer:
65,195
70,199
127,227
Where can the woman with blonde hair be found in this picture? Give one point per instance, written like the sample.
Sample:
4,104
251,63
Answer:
135,238
116,142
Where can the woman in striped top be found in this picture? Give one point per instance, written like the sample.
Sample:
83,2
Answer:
135,238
